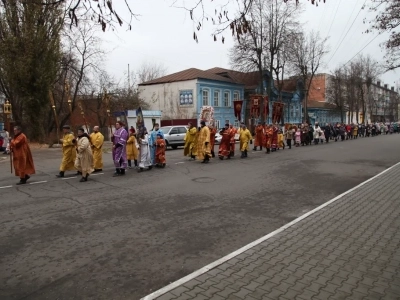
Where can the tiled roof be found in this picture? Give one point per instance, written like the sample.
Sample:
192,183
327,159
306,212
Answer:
250,80
188,74
288,85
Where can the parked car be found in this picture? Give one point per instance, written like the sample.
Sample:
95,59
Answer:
174,135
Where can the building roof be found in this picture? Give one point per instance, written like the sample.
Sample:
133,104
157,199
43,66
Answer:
250,80
319,104
188,74
288,85
146,113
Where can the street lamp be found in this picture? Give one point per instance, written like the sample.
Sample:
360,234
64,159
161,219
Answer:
7,111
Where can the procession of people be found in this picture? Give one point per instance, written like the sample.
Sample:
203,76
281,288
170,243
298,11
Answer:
83,154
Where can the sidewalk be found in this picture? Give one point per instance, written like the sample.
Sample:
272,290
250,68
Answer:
348,248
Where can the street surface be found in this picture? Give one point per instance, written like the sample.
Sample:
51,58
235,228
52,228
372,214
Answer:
125,237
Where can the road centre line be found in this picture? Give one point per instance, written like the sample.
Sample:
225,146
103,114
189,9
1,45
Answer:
5,187
96,174
37,182
222,260
66,178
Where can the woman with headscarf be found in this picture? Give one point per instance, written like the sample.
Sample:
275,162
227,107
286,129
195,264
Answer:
84,156
132,151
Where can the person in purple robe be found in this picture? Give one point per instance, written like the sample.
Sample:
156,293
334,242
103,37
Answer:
119,139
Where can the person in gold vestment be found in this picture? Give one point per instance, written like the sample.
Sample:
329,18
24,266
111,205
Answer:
69,153
97,140
132,151
190,142
203,143
245,138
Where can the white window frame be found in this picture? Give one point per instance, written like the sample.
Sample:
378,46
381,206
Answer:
218,98
227,102
205,91
236,124
236,93
217,124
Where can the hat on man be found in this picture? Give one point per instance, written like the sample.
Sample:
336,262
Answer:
66,127
203,123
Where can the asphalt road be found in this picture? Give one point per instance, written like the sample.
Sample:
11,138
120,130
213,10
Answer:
122,238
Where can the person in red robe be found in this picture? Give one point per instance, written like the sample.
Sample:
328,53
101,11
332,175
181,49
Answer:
213,132
233,132
258,139
268,138
224,149
160,152
22,156
274,142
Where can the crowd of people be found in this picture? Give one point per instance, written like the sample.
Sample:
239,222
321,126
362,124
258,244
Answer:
199,142
83,154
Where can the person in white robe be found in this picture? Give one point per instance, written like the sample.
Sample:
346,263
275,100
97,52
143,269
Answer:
145,156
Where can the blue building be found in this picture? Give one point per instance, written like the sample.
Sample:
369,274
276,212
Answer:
184,94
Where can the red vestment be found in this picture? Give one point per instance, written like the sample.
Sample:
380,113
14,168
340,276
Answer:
225,145
268,136
22,156
232,131
213,132
274,143
258,140
160,152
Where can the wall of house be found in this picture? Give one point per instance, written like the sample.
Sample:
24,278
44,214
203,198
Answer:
317,91
167,98
323,116
223,112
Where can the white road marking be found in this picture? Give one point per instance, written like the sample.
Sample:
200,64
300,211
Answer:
96,174
5,187
66,178
181,162
37,182
220,261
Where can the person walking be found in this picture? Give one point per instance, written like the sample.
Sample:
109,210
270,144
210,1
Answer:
119,139
245,138
84,157
69,153
132,147
22,156
97,140
203,143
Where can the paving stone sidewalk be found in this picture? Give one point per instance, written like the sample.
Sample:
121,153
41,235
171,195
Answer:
350,249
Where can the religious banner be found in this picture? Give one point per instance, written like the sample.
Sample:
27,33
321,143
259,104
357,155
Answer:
266,108
237,106
139,121
255,105
207,115
277,112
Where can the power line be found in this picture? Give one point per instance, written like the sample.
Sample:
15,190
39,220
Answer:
337,48
334,17
362,49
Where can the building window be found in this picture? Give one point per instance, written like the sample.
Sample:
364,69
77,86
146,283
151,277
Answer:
216,98
236,124
227,122
186,97
206,98
235,96
227,99
217,124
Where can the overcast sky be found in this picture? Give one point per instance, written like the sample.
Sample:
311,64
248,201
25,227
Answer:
163,34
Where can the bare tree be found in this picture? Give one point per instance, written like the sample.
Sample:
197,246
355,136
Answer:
307,57
335,92
272,24
388,20
149,71
79,65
